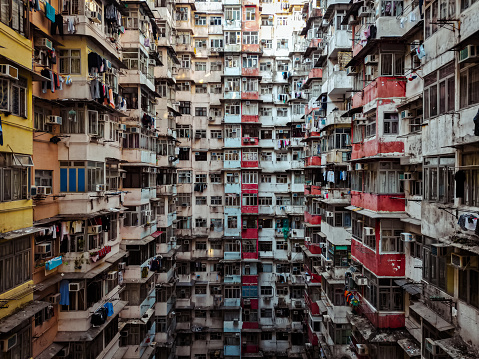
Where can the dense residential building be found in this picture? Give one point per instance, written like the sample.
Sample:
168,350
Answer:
239,178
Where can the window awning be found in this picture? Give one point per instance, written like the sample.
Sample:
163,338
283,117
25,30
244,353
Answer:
116,257
456,348
11,322
377,215
138,242
410,287
431,317
90,274
156,234
51,351
21,232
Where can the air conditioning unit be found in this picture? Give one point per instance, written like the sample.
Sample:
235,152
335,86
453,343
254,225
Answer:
439,249
362,281
408,237
43,248
122,266
247,301
9,71
362,349
186,242
326,318
44,190
235,322
370,60
122,127
368,231
297,245
329,214
351,70
55,298
44,43
152,62
406,114
75,287
95,16
134,130
307,239
100,188
369,71
247,103
365,11
359,167
414,44
9,343
112,275
432,347
95,229
469,53
54,120
463,262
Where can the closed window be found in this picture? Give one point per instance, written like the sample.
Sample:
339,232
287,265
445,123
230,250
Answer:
70,61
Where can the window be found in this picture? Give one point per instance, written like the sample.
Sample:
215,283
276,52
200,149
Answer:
215,20
281,156
233,108
215,178
282,112
281,178
218,134
391,7
266,20
250,177
391,124
184,199
391,236
250,13
44,178
184,176
200,178
185,107
439,91
200,222
232,291
201,111
216,200
266,89
469,286
267,156
232,13
200,43
200,200
200,66
392,64
200,289
281,20
265,111
200,245
232,37
216,66
203,88
232,200
215,43
250,37
439,179
268,44
182,14
200,20
185,61
184,86
266,290
15,263
265,201
70,62
266,178
249,199
13,97
232,177
231,155
232,222
282,44
251,61
183,131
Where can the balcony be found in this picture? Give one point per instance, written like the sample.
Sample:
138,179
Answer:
250,48
310,190
232,95
314,248
249,118
231,256
250,95
337,156
341,40
249,233
339,83
313,219
381,87
312,161
233,278
232,142
232,350
249,71
378,202
250,141
249,209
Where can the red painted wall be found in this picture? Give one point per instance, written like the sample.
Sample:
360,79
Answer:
312,161
249,209
385,265
250,71
249,143
312,190
249,233
312,219
249,279
382,319
249,118
313,338
378,202
249,164
313,247
315,73
375,146
381,87
249,187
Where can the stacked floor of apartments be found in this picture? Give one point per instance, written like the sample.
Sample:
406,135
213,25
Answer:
107,251
391,179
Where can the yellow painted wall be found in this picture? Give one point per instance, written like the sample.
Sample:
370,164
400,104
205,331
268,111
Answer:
14,304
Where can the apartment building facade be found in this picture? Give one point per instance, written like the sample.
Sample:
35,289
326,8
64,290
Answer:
409,102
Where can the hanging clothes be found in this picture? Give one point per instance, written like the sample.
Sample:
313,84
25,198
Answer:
58,23
460,178
476,124
64,292
49,12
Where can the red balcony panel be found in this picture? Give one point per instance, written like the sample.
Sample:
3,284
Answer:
250,325
250,118
249,255
381,87
250,141
313,247
313,307
249,233
312,161
381,319
315,73
312,218
249,164
313,338
315,42
249,279
250,348
374,147
254,302
387,265
250,47
253,95
249,187
378,202
315,278
313,134
312,190
249,209
250,71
